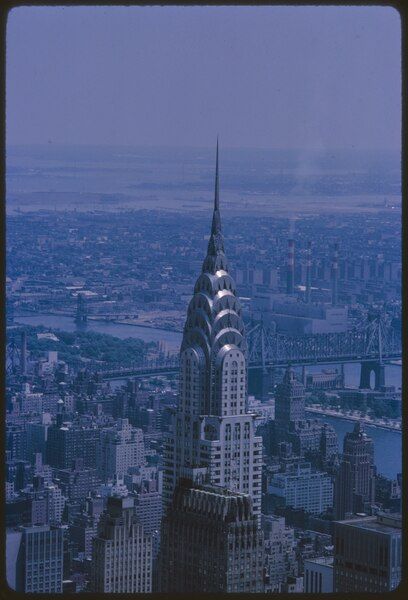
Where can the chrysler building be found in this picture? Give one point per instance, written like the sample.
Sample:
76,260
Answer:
212,438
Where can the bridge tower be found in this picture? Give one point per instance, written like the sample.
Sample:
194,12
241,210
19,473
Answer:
368,367
23,353
260,380
81,316
378,341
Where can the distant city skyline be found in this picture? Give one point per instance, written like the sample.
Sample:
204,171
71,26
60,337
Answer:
260,77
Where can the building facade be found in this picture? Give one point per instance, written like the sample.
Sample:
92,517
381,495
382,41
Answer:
122,551
280,556
318,577
35,559
211,543
120,448
367,554
212,441
212,436
355,481
302,488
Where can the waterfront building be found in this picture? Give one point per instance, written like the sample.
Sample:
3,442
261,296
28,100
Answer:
35,559
308,437
122,551
211,542
327,379
355,481
289,400
367,554
298,318
318,576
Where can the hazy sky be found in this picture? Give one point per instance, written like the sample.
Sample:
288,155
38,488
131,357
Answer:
266,77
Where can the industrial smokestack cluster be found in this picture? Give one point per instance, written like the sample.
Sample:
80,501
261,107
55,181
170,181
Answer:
290,275
290,272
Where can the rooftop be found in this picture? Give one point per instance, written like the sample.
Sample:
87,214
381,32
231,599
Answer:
382,523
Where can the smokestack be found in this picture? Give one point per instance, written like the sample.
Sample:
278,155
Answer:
335,274
290,267
308,271
380,266
23,353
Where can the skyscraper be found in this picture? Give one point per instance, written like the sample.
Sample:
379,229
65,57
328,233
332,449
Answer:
212,443
290,400
280,557
34,559
355,481
122,551
213,434
120,447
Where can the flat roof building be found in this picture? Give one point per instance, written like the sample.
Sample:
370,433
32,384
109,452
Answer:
318,577
367,554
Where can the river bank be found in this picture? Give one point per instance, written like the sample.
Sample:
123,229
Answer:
327,412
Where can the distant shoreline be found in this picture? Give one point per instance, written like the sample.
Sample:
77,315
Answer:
93,318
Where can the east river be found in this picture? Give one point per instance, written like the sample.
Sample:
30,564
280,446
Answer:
387,443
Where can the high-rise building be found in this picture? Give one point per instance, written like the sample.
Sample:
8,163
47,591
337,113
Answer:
308,437
211,542
47,502
77,481
367,554
280,556
122,551
36,438
289,400
35,559
355,481
84,526
120,448
69,441
213,434
149,505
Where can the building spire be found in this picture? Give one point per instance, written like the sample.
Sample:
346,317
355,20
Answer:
216,222
217,185
216,258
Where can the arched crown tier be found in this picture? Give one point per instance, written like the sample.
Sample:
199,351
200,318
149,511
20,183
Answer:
214,317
